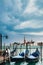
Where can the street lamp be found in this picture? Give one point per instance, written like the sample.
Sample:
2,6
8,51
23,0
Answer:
1,36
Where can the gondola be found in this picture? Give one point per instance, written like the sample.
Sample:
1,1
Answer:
17,59
31,58
34,57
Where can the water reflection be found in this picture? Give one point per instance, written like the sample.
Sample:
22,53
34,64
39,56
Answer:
22,63
15,63
31,63
6,63
18,63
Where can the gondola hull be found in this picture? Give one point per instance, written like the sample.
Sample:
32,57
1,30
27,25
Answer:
32,60
17,59
34,57
24,59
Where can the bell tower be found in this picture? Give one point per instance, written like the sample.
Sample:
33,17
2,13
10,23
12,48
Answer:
24,40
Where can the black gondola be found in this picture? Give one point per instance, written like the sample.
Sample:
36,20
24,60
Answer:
34,57
17,59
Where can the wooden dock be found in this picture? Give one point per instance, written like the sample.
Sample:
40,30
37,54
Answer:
3,59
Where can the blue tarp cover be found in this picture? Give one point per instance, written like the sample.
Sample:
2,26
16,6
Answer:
21,54
36,53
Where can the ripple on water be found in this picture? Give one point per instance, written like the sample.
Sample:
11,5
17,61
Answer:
24,63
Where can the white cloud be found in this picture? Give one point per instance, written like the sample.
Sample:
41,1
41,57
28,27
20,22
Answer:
6,31
7,19
39,12
19,4
29,24
33,8
10,32
8,3
12,7
30,7
33,33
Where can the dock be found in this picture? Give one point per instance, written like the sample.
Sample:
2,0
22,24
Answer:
3,59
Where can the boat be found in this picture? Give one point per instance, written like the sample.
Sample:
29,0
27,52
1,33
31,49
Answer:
34,57
24,56
31,58
17,59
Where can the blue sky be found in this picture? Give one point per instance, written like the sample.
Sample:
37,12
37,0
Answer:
21,17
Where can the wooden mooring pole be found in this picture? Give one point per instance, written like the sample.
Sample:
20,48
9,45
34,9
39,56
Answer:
41,51
40,44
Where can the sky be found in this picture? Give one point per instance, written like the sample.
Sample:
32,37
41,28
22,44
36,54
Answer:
21,17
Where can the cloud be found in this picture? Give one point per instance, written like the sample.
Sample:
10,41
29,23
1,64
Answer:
10,8
14,4
8,19
29,24
5,31
39,12
34,33
2,29
32,8
10,32
5,18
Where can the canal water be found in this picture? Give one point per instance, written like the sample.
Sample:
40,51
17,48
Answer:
23,63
